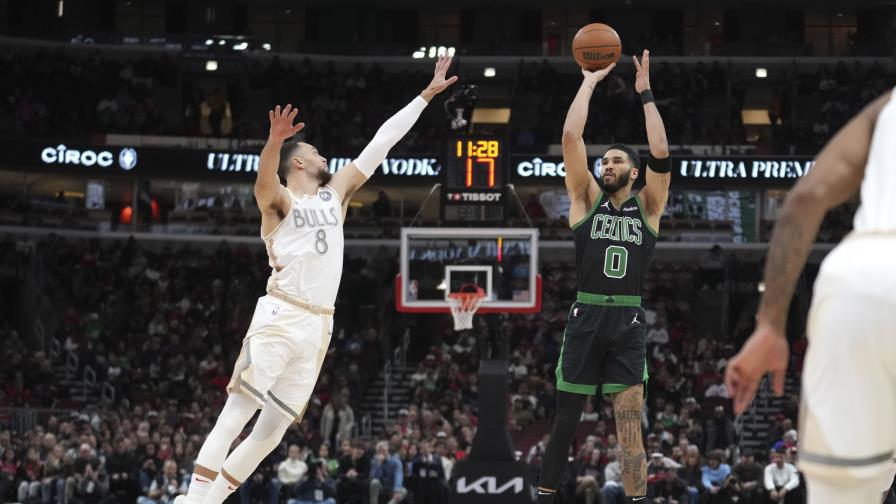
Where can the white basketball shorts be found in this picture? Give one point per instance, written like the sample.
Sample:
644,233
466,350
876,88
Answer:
848,412
282,355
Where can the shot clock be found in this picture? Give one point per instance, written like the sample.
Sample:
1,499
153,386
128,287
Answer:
475,175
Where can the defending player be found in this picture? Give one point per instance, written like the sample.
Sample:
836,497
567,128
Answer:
848,406
301,224
615,233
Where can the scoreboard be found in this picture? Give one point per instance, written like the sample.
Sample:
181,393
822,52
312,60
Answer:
474,178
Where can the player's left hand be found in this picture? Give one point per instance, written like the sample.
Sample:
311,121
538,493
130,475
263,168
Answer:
439,81
642,77
765,352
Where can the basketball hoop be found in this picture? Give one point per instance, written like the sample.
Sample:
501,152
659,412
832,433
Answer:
464,304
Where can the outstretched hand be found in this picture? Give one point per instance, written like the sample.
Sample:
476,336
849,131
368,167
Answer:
592,78
282,126
642,77
764,352
439,81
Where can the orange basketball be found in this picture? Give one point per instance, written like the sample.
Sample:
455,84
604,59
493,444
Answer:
595,46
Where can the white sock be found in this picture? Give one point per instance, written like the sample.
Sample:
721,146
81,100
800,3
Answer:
219,490
199,486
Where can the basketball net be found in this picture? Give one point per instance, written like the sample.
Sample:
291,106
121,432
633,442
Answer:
463,306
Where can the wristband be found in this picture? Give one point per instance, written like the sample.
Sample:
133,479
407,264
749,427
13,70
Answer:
660,165
646,97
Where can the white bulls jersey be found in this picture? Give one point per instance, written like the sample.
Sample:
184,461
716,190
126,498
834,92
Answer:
848,376
877,212
305,250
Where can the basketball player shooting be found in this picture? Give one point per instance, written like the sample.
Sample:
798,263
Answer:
848,405
614,233
301,225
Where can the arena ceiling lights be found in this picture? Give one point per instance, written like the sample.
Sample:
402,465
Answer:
239,44
432,52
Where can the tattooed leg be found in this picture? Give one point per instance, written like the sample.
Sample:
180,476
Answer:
627,409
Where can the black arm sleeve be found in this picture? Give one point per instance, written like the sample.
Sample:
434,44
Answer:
660,165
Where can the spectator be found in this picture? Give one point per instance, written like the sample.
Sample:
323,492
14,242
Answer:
429,482
354,469
668,489
589,476
323,455
780,479
657,335
215,117
787,442
749,475
712,268
720,433
382,207
8,469
668,418
386,476
656,468
521,414
718,389
29,475
613,491
517,370
54,476
89,483
165,487
715,472
317,489
447,459
291,471
338,420
121,468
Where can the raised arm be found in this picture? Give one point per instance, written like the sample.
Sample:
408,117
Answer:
836,175
580,183
269,193
350,178
658,176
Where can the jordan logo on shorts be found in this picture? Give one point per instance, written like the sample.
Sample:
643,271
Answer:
635,320
575,312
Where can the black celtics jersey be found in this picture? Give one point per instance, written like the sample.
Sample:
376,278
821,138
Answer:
613,248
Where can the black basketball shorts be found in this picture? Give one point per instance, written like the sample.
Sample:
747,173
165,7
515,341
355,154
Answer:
604,345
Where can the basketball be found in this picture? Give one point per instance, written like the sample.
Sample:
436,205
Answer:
595,46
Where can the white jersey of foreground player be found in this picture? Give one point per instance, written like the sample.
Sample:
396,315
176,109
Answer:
848,442
305,250
877,212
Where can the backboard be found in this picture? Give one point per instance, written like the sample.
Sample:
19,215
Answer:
436,262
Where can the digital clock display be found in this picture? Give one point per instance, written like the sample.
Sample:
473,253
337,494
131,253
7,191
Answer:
475,173
475,163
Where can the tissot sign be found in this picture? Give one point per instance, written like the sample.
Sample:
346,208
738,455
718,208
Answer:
746,170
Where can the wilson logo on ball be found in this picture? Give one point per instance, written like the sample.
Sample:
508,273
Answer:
597,56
